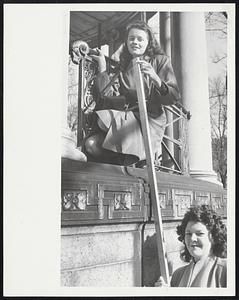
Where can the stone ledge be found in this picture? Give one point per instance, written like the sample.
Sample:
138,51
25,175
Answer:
94,193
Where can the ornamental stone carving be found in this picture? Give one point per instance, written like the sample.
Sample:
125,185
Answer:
216,202
182,200
162,200
73,201
122,201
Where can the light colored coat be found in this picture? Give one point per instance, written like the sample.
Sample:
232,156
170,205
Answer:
211,272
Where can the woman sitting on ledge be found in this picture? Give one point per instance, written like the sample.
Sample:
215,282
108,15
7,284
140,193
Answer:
120,139
204,236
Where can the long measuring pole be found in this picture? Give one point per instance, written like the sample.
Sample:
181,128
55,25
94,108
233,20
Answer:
81,86
151,170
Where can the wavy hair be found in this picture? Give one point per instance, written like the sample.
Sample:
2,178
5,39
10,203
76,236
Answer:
152,49
206,215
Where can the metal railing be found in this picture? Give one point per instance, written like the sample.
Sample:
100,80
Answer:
175,146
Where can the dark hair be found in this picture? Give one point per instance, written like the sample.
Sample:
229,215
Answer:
152,49
206,215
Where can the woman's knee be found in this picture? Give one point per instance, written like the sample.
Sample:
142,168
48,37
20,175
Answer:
93,145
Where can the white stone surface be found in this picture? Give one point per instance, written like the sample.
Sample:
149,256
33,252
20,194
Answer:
112,275
190,59
96,249
101,256
69,149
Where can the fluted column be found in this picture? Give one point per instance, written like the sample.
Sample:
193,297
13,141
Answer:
189,55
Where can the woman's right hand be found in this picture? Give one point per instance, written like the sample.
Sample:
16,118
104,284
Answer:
100,58
161,283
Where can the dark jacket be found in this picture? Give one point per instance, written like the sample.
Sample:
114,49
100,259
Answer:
168,94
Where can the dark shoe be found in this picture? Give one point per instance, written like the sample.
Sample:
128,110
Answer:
169,163
141,164
130,159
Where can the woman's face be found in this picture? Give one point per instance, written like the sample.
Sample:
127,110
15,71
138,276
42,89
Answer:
198,240
137,42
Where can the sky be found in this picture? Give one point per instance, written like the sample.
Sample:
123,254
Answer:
216,44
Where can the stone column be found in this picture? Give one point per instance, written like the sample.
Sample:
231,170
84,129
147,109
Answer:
189,55
165,32
165,43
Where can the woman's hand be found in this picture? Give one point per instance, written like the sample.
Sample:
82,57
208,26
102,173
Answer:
100,58
147,68
161,283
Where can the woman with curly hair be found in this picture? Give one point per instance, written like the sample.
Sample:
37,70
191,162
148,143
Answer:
120,128
204,236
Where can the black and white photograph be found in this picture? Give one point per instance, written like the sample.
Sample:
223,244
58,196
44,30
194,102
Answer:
124,183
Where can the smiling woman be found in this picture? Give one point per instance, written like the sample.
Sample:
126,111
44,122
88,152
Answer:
205,238
118,135
137,42
198,240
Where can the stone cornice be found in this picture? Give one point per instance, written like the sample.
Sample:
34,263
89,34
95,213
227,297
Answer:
95,193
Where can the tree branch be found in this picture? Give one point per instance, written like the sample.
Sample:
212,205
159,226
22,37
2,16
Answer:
216,60
224,14
218,95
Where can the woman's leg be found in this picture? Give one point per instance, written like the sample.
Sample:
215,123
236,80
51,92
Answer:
95,151
101,124
93,144
93,147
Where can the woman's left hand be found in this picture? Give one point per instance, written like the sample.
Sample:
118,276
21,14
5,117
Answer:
147,68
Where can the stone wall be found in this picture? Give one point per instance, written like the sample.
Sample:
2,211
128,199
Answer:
101,256
150,263
122,255
108,235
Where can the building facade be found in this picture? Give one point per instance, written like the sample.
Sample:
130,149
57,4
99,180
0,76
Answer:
108,234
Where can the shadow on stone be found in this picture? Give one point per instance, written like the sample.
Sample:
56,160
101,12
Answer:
150,262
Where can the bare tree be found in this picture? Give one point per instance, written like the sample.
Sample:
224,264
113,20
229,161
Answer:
216,24
218,107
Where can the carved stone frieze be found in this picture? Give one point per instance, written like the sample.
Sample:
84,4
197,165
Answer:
100,203
201,198
182,199
218,203
72,201
166,203
94,199
123,201
163,199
